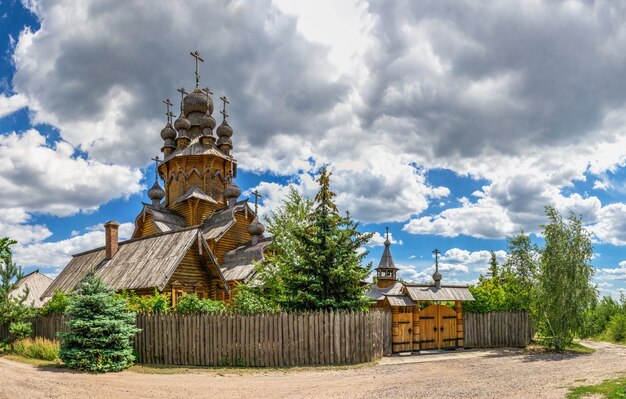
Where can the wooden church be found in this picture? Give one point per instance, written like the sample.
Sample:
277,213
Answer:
421,317
195,235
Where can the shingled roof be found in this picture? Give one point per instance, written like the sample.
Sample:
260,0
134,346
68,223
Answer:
239,264
36,283
140,263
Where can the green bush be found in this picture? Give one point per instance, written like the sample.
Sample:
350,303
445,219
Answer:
57,305
19,330
597,317
616,329
101,329
191,304
155,303
38,348
247,301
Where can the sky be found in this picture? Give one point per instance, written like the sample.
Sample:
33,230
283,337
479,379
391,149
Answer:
454,123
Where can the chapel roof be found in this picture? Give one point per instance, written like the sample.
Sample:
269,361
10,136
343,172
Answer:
36,283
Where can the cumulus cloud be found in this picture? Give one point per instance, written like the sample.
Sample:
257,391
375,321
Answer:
39,178
378,240
10,104
51,256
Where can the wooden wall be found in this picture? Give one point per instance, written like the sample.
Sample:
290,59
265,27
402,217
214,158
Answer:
498,329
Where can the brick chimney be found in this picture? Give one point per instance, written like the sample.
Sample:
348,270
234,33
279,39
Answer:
110,238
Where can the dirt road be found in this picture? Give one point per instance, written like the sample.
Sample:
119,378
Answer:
490,374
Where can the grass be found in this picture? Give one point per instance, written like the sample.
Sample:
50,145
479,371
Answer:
575,347
166,369
38,348
32,362
610,389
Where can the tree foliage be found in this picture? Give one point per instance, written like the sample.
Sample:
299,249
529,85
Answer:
57,305
328,273
100,329
12,309
564,287
155,303
190,304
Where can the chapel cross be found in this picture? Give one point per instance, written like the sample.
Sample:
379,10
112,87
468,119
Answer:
223,112
387,235
157,161
348,215
436,252
168,104
256,200
182,97
198,57
170,116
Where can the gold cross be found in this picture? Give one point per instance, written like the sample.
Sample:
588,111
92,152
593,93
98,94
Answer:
223,112
198,57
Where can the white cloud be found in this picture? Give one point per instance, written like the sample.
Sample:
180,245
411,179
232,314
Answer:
8,105
55,255
38,178
378,240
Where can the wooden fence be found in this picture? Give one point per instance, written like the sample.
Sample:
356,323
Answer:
285,339
497,329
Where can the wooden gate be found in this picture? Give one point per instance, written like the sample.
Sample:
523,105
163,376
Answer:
402,322
438,329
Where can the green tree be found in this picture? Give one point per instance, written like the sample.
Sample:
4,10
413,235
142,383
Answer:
285,224
100,329
190,304
57,305
327,272
493,267
564,287
12,309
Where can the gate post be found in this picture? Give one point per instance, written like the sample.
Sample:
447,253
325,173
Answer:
417,345
459,324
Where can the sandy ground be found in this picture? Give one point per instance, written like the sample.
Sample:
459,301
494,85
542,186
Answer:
469,374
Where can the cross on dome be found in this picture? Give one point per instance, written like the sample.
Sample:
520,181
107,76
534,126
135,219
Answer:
182,97
223,111
199,59
436,252
157,161
256,200
168,104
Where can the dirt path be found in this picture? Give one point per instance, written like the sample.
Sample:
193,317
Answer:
496,374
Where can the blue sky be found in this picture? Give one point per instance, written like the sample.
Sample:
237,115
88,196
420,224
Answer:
452,133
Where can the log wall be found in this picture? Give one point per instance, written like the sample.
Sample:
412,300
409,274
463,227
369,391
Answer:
497,329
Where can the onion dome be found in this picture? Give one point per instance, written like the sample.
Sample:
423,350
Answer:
224,141
207,121
232,192
224,130
256,228
437,276
182,123
168,132
156,193
197,101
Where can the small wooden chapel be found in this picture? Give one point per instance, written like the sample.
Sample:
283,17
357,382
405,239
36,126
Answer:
195,235
421,318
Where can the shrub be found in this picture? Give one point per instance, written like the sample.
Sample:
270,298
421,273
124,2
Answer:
616,330
247,301
57,305
155,303
38,348
191,304
17,331
101,329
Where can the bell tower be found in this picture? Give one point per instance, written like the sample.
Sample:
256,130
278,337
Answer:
386,270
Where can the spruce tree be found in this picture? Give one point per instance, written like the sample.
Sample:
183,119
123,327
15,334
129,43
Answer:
329,272
101,330
493,267
12,309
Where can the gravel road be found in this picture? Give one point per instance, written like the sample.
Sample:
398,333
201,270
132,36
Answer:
472,374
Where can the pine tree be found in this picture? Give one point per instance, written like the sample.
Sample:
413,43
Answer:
12,310
329,270
101,330
493,267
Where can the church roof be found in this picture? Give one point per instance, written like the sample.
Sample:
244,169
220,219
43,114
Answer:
139,263
195,192
164,219
428,292
36,283
239,264
216,225
386,260
378,294
195,147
